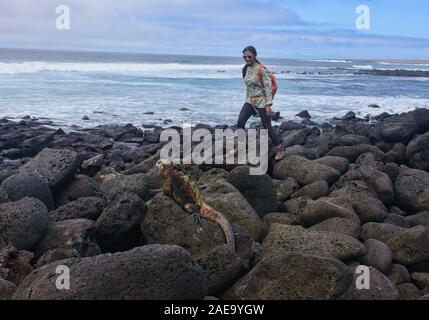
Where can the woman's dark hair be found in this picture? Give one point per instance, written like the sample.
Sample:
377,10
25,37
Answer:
253,51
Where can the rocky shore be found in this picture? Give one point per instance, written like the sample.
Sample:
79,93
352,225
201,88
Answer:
348,193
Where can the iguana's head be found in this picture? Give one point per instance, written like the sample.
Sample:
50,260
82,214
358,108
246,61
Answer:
163,165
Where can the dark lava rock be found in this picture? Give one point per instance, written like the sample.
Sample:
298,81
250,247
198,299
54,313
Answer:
21,185
22,223
53,165
304,114
151,272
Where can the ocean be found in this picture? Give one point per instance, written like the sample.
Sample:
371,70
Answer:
120,87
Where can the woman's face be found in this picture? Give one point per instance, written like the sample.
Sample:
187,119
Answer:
248,57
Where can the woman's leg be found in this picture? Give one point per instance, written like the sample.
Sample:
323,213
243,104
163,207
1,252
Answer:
266,123
245,113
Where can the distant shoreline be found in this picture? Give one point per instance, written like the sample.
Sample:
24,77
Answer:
238,57
394,73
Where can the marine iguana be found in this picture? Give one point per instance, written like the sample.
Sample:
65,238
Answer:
183,188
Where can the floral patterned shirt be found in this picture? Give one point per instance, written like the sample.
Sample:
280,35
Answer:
256,94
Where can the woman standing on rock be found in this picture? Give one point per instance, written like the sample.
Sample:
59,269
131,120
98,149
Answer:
259,97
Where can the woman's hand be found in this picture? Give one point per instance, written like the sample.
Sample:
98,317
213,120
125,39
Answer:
268,109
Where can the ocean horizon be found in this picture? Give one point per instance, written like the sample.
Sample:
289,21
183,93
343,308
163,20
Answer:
109,87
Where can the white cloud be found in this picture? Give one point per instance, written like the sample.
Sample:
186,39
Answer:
184,25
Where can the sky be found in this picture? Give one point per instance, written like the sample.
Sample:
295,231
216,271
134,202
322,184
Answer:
313,29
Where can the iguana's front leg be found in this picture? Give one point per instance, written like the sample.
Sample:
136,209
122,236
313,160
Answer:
196,215
195,211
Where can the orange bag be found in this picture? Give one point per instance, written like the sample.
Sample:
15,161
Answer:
272,76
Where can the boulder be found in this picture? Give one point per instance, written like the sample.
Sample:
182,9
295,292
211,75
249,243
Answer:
118,226
349,116
83,208
398,128
21,185
257,189
298,150
151,272
136,183
419,219
398,274
54,165
421,119
295,239
225,198
417,152
380,288
379,231
365,205
296,137
412,189
222,268
382,117
421,279
313,190
327,208
338,163
349,140
303,114
397,220
212,175
397,210
154,178
292,277
15,264
378,255
7,289
166,223
22,223
379,184
391,169
397,154
282,218
347,227
410,246
57,254
346,179
297,205
351,153
81,186
290,125
91,166
144,166
285,188
369,159
78,234
34,144
305,171
408,291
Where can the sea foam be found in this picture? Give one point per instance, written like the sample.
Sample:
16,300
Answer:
153,68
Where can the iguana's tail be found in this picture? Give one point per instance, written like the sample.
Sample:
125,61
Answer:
211,214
